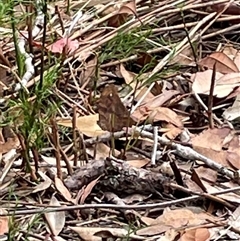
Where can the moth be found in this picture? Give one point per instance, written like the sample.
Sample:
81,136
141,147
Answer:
113,115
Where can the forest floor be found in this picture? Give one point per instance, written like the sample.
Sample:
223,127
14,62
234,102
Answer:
120,120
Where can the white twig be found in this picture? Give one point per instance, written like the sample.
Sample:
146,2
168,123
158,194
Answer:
155,143
21,45
188,153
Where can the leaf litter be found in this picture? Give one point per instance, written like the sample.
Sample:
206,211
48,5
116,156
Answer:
143,139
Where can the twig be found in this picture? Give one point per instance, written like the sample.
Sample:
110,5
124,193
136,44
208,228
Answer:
55,139
210,97
112,206
188,153
39,22
74,129
155,144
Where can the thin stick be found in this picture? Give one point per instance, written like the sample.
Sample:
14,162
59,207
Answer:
210,99
155,144
113,206
74,128
55,140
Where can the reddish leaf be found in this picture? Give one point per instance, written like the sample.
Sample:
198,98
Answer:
199,234
58,46
4,220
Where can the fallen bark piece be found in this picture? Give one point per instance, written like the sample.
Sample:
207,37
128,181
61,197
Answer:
118,175
85,174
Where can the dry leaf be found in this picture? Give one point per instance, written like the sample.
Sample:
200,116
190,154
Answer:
86,124
184,58
92,233
4,221
101,150
223,63
141,93
234,218
62,189
202,81
207,173
146,220
145,58
113,115
170,235
233,152
199,234
138,163
88,70
233,112
224,84
43,185
181,217
230,197
12,141
55,220
153,230
128,76
171,132
233,54
210,143
160,99
59,45
121,16
166,169
232,9
88,189
157,114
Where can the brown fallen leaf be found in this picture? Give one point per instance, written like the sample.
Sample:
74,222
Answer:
161,98
153,230
223,63
100,150
198,234
183,216
89,70
87,190
140,93
207,173
171,132
225,84
202,81
230,197
62,189
146,220
113,115
157,114
88,125
121,16
211,142
145,58
186,57
55,220
128,76
233,152
232,9
8,140
4,222
138,163
92,233
233,54
61,44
